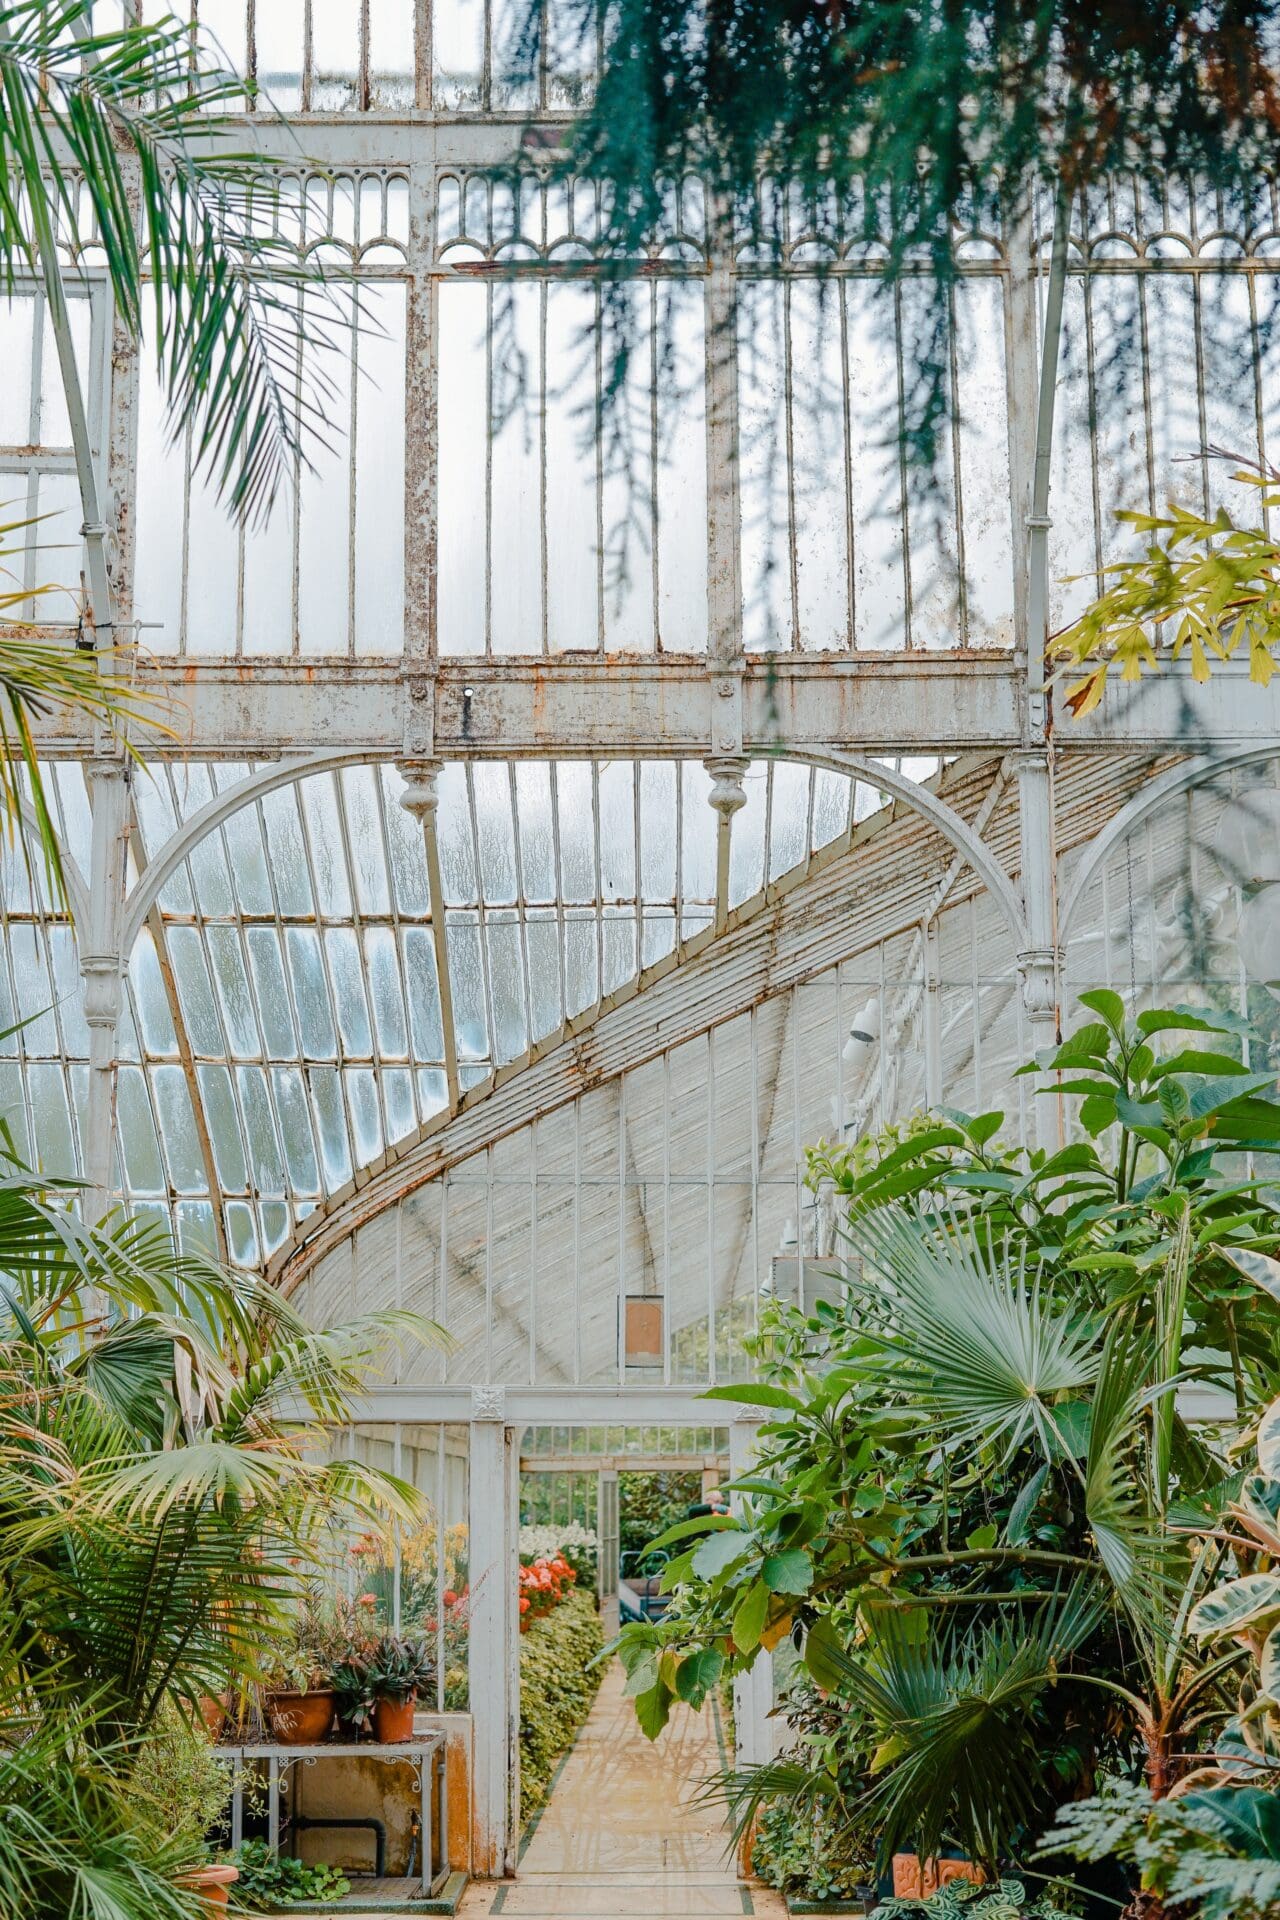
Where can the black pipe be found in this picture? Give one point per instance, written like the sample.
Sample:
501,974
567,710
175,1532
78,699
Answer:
304,1824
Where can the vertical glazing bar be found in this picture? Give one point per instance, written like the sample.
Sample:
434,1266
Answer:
442,1566
397,1467
273,1804
753,1094
533,1253
622,1230
666,1218
577,1242
424,56
711,1207
425,1758
488,1263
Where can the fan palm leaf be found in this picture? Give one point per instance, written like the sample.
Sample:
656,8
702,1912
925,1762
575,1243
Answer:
970,1337
961,1754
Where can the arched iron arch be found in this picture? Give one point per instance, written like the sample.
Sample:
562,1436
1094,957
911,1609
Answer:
1183,778
168,858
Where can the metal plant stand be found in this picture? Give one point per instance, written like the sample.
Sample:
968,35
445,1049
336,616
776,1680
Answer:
280,1758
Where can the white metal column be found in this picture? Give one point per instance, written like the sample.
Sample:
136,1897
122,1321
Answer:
1039,962
494,1646
754,1732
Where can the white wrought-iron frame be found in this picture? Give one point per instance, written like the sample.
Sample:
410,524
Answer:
838,709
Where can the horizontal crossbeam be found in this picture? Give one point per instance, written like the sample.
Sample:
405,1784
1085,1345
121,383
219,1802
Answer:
568,706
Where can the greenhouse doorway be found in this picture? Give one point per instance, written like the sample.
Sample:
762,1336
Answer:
607,1493
596,1802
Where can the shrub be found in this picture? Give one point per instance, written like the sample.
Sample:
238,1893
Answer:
808,1855
567,1540
543,1585
557,1685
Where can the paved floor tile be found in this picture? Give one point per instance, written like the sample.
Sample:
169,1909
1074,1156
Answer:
624,1836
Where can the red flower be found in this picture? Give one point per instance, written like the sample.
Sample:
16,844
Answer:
450,1597
524,1605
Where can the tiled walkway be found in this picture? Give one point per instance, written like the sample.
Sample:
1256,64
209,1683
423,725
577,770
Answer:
619,1836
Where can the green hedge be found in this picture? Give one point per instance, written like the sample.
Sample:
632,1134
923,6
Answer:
557,1686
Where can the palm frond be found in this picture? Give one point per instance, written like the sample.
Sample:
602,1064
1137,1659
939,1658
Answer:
961,1754
239,323
1117,1494
970,1336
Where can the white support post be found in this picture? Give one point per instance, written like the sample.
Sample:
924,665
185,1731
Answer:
754,1732
101,959
494,1644
101,969
1038,963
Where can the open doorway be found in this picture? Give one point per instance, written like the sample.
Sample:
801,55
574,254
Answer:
591,1501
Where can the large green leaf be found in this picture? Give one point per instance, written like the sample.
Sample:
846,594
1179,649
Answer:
788,1572
698,1673
981,1348
719,1552
1257,1507
749,1617
1258,1267
1269,1665
1269,1441
699,1525
757,1393
653,1710
1101,1000
1235,1605
824,1653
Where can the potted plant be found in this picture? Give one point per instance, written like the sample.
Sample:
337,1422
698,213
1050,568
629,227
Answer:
397,1671
213,1883
297,1698
183,1790
350,1682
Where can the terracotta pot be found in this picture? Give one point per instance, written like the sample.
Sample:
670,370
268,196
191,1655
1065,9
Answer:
212,1884
393,1720
213,1711
916,1879
300,1719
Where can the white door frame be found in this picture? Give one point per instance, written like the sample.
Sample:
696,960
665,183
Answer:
498,1417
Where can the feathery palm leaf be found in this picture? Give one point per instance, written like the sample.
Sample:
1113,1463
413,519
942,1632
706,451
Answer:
235,315
37,674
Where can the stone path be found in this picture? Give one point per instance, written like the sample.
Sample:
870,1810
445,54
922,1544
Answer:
619,1835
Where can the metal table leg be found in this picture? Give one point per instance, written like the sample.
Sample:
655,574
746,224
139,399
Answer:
273,1805
444,1805
424,1788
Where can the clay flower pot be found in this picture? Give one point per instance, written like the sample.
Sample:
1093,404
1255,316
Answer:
393,1720
213,1711
301,1719
212,1884
917,1879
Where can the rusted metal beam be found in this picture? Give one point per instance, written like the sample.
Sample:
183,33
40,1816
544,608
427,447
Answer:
661,707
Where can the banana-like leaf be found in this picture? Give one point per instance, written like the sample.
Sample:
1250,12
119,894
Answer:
1269,1669
1258,1267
